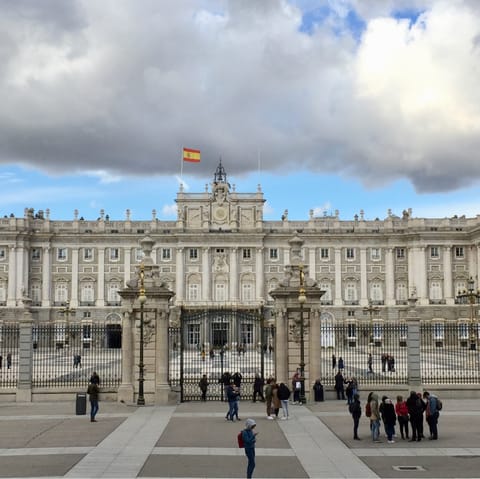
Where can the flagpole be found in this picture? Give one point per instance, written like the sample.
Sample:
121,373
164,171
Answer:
181,166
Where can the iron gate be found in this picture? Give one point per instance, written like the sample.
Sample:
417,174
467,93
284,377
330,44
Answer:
212,342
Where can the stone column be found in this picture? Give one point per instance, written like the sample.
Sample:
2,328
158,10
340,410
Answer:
25,359
233,274
314,348
311,263
447,275
127,252
101,278
12,277
389,278
338,277
205,274
363,277
22,281
281,347
421,275
126,390
46,277
74,295
259,268
179,279
413,348
162,388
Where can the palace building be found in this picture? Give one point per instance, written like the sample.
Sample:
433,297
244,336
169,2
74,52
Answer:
220,252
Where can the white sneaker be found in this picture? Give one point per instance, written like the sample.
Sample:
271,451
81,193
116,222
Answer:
283,418
270,417
391,442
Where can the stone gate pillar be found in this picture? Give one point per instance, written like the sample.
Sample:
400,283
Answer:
413,346
281,341
315,356
155,314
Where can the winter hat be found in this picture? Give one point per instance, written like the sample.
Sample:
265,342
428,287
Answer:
249,423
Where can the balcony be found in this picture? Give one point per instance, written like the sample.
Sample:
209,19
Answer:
401,302
326,302
351,302
87,303
113,303
437,301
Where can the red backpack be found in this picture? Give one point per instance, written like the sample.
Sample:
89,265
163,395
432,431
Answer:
240,439
368,410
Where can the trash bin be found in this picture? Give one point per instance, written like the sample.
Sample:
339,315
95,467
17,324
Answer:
318,391
81,404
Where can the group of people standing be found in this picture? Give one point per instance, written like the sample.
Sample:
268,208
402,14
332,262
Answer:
408,413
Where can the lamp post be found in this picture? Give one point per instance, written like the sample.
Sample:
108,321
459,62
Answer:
67,311
302,298
142,298
370,310
471,295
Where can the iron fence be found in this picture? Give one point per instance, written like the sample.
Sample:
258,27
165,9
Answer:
66,356
375,354
9,340
450,354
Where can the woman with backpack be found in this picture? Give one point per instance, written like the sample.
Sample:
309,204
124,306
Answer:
283,394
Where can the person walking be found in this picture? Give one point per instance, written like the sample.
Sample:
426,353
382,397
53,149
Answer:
232,402
370,363
284,395
249,437
355,409
432,414
203,385
269,397
334,361
415,411
275,400
9,360
389,418
258,384
93,391
401,410
341,364
374,416
339,382
296,387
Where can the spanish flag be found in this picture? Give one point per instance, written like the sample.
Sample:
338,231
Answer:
193,156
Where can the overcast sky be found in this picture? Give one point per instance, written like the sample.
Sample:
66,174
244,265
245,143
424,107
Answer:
384,93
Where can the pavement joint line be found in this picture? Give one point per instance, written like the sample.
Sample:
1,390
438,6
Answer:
223,451
135,437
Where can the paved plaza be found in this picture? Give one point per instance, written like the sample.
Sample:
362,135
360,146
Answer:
193,440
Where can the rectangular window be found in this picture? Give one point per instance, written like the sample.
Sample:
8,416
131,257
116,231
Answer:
459,252
193,292
61,254
350,253
438,331
247,253
139,255
375,254
87,254
324,253
220,292
401,253
351,331
351,313
3,253
35,254
220,250
193,334
114,254
246,331
434,252
463,331
193,253
377,332
273,253
166,254
247,289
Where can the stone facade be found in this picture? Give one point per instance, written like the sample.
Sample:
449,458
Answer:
221,251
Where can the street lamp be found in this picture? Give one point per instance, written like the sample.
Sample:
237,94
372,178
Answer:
67,311
302,299
471,295
370,310
142,298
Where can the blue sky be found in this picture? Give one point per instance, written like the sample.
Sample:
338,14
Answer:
349,104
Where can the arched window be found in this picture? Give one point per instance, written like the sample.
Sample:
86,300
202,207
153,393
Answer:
61,292
112,292
35,293
327,287
87,294
351,291
435,290
376,291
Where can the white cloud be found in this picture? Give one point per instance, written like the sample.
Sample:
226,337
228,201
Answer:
325,209
170,211
105,177
118,87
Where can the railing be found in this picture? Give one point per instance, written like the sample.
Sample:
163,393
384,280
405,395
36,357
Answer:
63,357
9,342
